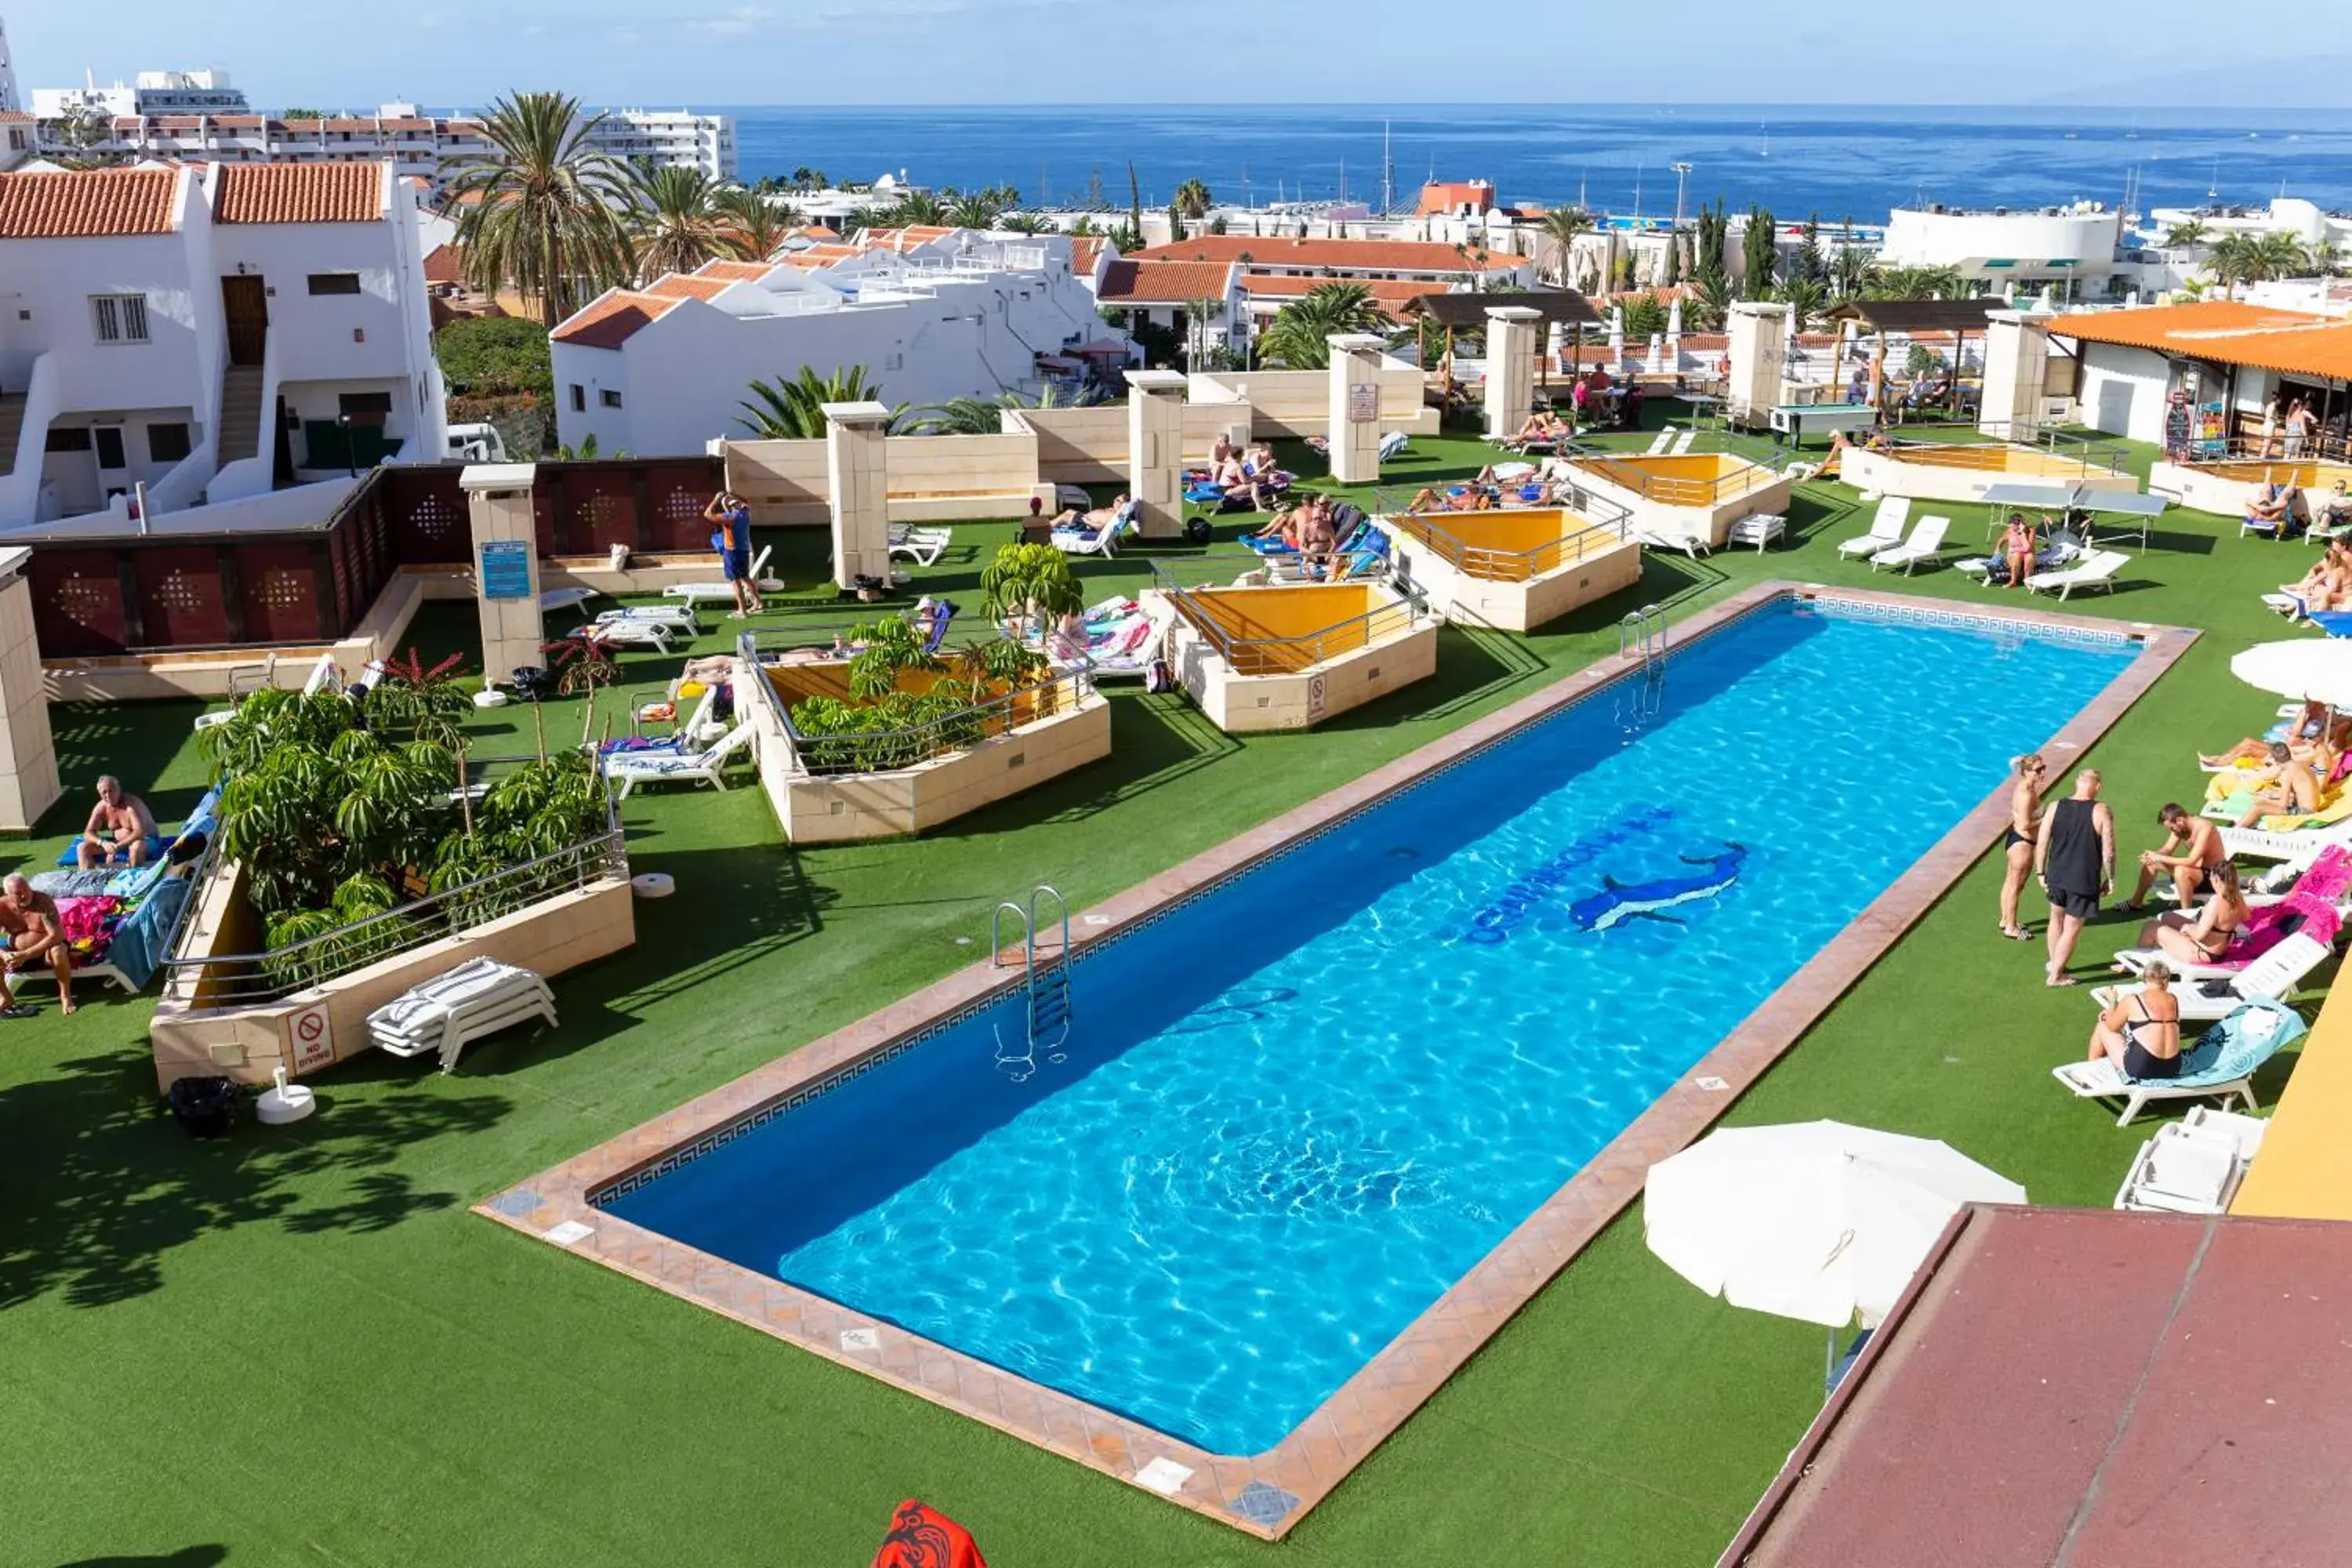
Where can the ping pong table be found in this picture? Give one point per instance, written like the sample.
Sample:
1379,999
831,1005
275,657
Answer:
2048,495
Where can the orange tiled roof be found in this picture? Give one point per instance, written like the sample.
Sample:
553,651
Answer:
1085,250
907,239
734,271
679,286
2225,332
86,204
1164,282
813,231
14,117
299,193
1391,294
1368,254
614,319
1452,195
817,256
444,263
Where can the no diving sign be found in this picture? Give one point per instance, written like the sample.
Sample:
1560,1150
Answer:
311,1039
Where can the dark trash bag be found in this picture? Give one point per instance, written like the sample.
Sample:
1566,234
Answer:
206,1106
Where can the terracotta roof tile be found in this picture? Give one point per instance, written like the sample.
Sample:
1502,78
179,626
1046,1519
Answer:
678,286
1391,294
86,204
814,231
610,321
14,117
299,193
1164,282
444,263
1369,255
734,271
2225,332
1085,249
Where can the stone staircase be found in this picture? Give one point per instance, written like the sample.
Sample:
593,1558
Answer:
12,425
240,415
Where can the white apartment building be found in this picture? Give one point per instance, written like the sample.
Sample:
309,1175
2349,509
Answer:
209,333
10,103
149,93
425,146
930,314
2076,247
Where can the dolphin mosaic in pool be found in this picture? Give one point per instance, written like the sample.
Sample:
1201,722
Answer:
1539,886
1619,901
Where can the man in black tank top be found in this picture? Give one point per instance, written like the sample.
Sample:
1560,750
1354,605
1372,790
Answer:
2075,855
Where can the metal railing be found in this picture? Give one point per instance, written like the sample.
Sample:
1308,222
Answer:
1277,653
1672,490
251,979
2325,449
2082,453
889,750
1605,526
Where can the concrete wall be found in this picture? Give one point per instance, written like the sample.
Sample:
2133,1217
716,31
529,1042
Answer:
839,809
1889,474
1523,606
1250,704
2124,390
784,481
247,1045
1297,403
1077,446
943,477
1712,523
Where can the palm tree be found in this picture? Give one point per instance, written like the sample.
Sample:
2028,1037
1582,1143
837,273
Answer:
1561,226
1806,298
985,415
680,220
1023,223
975,209
756,224
1708,304
791,408
1915,283
2277,255
916,207
1296,335
2326,257
546,213
1851,270
1192,199
2184,236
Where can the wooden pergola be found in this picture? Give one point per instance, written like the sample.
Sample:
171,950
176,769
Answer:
1912,317
1454,312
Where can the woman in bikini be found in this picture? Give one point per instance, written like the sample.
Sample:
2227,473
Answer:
2203,937
2141,1033
2024,813
2306,729
2017,549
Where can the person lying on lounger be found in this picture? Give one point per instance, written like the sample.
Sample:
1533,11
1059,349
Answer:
1234,480
2141,1033
2327,585
32,935
1541,426
120,827
1079,521
2272,507
2309,725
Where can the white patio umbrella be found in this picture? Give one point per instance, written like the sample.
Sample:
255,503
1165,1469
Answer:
1816,1220
2309,671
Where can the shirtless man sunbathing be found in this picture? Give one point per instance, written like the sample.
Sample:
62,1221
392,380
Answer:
34,936
2293,789
120,827
1090,520
2191,848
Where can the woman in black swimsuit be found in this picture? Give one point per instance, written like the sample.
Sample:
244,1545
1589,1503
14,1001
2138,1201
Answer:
2203,937
2024,815
2141,1033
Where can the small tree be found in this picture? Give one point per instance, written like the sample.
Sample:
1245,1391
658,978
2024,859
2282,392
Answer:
1030,581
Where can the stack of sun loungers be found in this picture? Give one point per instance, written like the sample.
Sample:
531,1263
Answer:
2194,1166
480,996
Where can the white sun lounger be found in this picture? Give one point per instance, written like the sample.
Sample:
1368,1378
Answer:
2272,977
719,589
2182,1171
2096,570
2302,845
923,546
630,769
1925,545
554,599
1886,529
2219,1066
1103,541
478,997
1690,544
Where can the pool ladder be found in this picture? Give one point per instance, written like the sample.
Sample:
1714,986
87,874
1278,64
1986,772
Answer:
1049,1011
1643,634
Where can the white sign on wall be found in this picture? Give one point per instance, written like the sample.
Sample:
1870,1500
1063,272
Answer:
311,1039
1364,402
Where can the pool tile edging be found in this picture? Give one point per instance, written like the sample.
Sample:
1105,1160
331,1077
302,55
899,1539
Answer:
1267,1494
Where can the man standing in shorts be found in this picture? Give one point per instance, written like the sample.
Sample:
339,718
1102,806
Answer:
2075,855
732,539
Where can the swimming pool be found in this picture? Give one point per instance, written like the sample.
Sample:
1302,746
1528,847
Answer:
1297,1108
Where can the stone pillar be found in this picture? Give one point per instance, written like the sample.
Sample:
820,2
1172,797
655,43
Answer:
506,567
857,473
1355,424
2017,359
1758,347
1155,450
1510,368
28,759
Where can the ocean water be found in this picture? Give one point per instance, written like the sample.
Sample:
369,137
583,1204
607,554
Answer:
1292,1114
1839,162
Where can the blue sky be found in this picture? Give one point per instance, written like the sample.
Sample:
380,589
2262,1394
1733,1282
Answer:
462,52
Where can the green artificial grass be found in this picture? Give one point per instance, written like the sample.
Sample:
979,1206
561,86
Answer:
295,1345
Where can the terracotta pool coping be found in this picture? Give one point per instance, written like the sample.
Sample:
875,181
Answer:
1266,1494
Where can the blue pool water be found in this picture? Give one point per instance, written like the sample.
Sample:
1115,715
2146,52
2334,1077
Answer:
1295,1110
